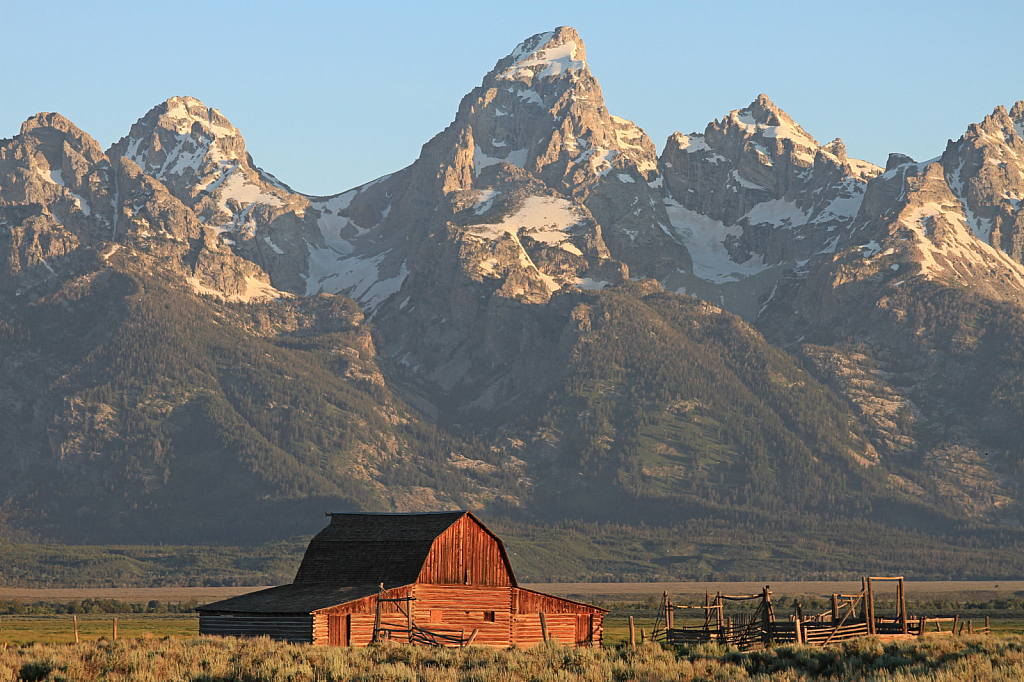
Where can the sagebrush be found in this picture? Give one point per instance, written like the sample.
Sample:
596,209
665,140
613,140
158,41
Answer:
258,660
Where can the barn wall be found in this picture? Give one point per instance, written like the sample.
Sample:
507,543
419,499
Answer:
291,628
465,554
587,621
390,617
527,631
468,608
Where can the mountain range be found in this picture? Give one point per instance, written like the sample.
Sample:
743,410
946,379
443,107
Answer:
541,319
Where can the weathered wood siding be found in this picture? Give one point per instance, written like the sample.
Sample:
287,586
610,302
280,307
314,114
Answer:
359,627
485,609
587,621
527,631
390,617
466,554
289,628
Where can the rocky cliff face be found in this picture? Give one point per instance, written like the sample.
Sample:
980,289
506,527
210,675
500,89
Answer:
985,171
509,207
917,316
753,197
57,194
64,203
201,159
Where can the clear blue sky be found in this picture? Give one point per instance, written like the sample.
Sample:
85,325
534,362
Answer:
331,95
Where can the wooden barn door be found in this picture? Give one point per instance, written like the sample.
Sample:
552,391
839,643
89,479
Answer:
584,629
339,630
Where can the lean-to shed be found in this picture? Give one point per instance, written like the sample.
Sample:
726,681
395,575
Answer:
438,577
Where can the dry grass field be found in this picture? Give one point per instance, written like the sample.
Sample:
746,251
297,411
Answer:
1000,659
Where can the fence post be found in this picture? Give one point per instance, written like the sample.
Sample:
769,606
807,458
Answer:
632,634
870,608
74,618
115,629
903,606
544,627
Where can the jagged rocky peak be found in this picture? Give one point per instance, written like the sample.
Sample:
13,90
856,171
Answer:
753,196
955,221
201,158
186,145
545,54
754,154
56,195
985,170
162,140
517,172
56,165
541,109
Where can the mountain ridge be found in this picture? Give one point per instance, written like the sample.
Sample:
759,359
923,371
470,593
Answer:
527,285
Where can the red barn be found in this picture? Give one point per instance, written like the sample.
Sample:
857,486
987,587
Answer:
440,578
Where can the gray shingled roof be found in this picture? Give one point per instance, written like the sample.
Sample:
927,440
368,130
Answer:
373,548
349,560
292,599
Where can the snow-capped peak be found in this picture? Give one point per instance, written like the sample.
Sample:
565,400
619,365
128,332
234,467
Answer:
179,137
553,53
762,116
185,112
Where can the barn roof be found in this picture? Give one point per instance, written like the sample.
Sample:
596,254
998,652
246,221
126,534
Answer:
352,558
359,549
292,599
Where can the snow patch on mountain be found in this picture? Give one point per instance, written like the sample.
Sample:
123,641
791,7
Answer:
358,278
484,201
777,212
56,177
543,219
516,157
235,187
705,239
543,63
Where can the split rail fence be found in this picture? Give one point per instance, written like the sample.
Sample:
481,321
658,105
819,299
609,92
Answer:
851,616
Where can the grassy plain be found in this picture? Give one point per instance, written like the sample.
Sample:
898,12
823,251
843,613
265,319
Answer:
21,630
1002,602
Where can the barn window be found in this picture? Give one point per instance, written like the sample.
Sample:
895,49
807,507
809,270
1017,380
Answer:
437,616
489,616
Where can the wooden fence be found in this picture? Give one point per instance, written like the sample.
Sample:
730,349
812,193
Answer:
851,616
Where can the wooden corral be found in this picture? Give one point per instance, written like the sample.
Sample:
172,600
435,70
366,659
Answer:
440,578
851,616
